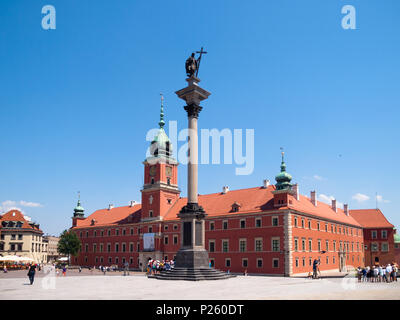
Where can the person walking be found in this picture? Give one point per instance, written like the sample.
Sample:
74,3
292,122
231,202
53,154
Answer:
64,271
31,273
395,270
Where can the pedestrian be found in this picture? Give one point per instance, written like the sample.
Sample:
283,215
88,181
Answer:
315,268
359,274
80,269
395,270
5,269
364,274
126,269
64,271
376,274
388,273
31,273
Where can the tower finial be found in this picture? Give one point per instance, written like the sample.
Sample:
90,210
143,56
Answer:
162,123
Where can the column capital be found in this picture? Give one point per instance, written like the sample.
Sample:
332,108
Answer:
193,110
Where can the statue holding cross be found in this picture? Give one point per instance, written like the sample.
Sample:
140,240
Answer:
192,64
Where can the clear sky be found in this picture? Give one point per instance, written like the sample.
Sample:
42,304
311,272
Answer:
77,102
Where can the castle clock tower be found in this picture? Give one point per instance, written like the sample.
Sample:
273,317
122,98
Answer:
160,189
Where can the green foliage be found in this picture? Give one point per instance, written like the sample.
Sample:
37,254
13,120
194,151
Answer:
69,243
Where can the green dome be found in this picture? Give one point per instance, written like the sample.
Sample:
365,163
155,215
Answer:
396,238
283,178
79,211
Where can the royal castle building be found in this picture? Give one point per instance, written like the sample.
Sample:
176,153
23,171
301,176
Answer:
270,229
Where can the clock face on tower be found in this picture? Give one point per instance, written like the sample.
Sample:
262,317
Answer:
152,171
168,171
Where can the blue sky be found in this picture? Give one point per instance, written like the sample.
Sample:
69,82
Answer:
76,102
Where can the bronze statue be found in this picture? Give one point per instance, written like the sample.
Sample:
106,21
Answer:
191,65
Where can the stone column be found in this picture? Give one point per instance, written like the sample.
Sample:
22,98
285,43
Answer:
193,160
192,253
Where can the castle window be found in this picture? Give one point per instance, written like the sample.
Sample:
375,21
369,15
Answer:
242,224
168,181
152,180
150,229
150,213
211,245
258,222
275,221
169,201
225,225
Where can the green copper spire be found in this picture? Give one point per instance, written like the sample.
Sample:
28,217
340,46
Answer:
79,211
161,145
283,178
162,123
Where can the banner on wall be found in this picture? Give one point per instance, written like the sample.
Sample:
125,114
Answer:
148,241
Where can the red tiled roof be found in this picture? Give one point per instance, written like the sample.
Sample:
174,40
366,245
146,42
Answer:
116,215
16,215
251,200
371,218
259,199
322,210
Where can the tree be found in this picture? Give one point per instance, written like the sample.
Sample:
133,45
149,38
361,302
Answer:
69,244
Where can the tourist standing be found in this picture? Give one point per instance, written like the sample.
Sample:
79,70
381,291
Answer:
31,273
388,273
359,274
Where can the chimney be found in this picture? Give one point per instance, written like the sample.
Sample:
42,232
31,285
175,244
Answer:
334,205
225,189
314,198
346,209
110,206
265,183
132,203
295,190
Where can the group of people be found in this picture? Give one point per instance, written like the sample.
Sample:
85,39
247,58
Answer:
385,273
156,266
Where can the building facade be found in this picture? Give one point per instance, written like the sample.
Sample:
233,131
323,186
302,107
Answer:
268,229
52,250
21,237
378,236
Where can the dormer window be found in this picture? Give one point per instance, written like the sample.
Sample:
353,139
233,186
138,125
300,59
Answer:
235,207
